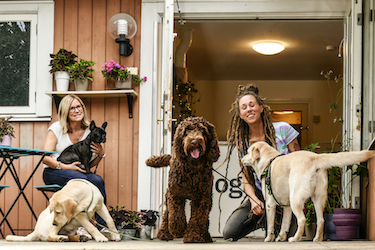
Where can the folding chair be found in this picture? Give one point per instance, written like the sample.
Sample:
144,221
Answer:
48,188
1,211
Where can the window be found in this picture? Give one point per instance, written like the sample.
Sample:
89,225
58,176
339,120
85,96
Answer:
26,40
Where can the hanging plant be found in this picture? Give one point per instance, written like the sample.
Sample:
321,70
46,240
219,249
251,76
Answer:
186,93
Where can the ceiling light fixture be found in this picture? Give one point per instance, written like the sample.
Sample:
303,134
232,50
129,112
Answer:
268,48
122,28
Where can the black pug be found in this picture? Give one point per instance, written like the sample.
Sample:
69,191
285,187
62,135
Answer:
81,150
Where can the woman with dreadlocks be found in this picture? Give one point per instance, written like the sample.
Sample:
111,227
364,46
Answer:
251,122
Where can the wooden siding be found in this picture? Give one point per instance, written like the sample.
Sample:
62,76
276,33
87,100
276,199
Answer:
81,27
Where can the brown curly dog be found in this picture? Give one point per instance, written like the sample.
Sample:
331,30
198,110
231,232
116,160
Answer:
195,148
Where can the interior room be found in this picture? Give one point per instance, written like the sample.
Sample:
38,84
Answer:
217,56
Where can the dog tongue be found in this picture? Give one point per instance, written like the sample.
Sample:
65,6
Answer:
195,153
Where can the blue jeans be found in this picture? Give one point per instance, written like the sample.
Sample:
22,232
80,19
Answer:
61,177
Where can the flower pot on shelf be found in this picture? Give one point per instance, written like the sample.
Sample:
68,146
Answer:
62,80
347,222
7,141
124,84
81,84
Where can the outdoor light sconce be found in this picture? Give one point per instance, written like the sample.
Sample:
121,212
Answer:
122,28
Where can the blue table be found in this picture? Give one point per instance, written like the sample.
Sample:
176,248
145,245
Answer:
9,154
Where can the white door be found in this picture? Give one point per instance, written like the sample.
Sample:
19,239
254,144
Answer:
161,11
155,100
352,94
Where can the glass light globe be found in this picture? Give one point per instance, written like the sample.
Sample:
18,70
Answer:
268,48
122,24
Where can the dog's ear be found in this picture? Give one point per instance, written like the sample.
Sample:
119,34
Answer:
178,147
213,153
92,125
104,125
255,153
70,207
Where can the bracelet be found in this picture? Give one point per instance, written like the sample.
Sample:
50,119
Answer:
101,157
58,165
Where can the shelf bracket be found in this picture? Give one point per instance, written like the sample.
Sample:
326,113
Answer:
130,105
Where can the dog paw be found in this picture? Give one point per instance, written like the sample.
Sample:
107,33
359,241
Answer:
269,238
115,237
196,237
101,238
162,235
62,238
281,237
83,238
294,239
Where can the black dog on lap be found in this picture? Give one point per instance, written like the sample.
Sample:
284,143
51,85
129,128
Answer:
81,150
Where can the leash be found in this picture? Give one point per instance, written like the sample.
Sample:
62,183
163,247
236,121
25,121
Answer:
267,173
243,191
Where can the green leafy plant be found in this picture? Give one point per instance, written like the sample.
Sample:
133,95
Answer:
309,212
81,70
186,93
6,128
114,70
126,218
61,60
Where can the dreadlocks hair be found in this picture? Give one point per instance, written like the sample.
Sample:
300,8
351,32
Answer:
239,131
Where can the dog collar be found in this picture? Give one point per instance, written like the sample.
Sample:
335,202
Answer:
267,173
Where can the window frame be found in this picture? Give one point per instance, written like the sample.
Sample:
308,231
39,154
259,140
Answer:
41,46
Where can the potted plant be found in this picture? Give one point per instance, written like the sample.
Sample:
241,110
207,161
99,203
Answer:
6,131
80,73
121,74
149,218
127,221
59,63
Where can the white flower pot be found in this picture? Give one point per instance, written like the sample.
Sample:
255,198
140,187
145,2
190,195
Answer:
81,84
124,84
127,231
7,141
62,81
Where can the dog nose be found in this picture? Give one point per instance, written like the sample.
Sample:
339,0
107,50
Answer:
194,142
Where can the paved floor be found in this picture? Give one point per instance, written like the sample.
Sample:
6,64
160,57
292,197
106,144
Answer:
219,244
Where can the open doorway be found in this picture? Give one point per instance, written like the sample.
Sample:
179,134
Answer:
219,58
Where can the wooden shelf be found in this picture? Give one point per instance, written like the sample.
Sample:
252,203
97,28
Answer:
130,94
94,93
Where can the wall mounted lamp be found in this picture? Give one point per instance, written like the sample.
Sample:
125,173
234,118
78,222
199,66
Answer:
122,27
268,48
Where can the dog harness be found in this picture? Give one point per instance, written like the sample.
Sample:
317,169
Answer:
267,174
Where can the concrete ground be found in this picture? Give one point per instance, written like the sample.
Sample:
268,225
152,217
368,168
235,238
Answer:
219,244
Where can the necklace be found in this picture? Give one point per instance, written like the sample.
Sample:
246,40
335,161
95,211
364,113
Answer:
79,135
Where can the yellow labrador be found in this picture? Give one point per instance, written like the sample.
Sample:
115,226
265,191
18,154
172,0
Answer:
295,178
67,211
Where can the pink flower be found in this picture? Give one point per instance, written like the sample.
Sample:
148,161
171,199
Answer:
145,79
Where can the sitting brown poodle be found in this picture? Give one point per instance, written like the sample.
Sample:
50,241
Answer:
195,148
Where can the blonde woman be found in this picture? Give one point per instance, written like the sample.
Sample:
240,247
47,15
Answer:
72,126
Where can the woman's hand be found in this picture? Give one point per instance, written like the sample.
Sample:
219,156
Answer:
73,166
257,206
97,149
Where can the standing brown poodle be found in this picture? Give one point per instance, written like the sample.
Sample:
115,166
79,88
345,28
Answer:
195,148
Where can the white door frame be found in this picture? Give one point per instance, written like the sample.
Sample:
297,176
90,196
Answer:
153,10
